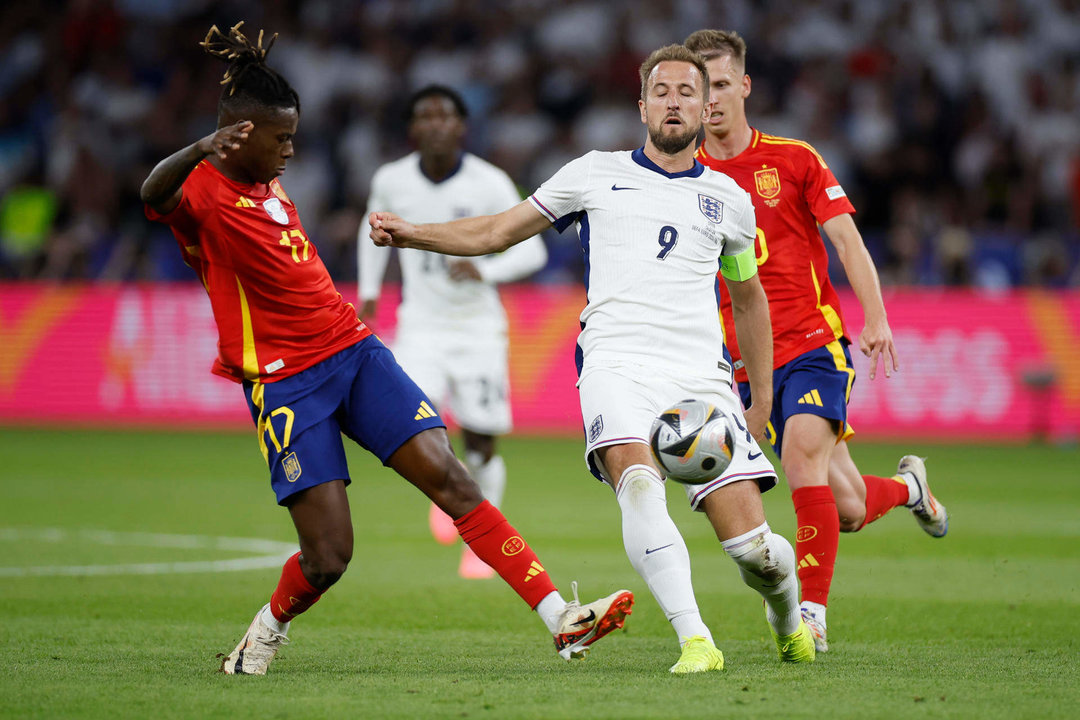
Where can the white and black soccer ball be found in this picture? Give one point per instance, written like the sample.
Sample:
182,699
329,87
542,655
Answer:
692,441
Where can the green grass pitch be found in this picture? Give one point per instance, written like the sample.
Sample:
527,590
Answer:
981,624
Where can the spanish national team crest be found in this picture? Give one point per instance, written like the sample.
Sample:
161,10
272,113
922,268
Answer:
275,210
711,208
292,467
767,182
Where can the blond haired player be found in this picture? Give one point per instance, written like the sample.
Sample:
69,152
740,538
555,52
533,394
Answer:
793,190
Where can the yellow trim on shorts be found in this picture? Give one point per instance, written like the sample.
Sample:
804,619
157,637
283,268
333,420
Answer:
837,352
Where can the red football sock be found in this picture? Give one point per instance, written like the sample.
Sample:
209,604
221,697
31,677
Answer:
498,544
882,495
816,540
294,594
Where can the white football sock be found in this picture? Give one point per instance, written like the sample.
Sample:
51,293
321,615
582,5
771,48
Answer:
490,476
767,564
551,610
815,609
913,494
657,550
273,623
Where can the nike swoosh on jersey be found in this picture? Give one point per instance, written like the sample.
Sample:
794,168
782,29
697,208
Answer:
616,187
753,456
650,552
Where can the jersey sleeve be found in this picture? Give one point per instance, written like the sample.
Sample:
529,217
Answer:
196,200
744,227
824,194
371,260
561,198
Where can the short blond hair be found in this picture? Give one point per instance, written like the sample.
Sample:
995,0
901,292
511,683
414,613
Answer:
676,53
717,43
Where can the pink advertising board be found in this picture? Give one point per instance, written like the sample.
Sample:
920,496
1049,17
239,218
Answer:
973,366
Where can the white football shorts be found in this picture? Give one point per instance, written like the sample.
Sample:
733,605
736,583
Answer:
619,404
465,377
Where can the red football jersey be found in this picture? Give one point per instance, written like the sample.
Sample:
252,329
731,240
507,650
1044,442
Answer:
276,308
792,190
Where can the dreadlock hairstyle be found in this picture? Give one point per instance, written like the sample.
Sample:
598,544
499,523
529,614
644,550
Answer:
249,81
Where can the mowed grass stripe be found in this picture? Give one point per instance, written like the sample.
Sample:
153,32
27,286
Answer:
979,624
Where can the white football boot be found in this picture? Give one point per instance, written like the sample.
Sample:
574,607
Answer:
817,627
255,651
581,626
930,514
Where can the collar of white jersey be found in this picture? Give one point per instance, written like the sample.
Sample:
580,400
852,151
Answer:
642,159
452,173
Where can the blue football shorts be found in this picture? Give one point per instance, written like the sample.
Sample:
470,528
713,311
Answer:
360,391
817,382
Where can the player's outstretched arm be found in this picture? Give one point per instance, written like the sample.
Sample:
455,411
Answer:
750,310
162,188
469,236
876,337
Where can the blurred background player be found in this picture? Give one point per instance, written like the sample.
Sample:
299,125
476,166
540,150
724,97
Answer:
653,224
311,370
793,190
451,330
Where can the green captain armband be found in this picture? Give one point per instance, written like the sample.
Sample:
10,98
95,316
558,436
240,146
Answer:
739,267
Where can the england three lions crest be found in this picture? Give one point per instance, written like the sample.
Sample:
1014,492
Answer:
711,208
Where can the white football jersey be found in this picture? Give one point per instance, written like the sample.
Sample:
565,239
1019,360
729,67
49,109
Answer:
432,301
652,242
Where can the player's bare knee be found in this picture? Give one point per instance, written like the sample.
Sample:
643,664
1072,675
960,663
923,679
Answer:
325,565
850,524
850,507
851,512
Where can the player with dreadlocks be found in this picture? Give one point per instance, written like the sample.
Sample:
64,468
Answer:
311,370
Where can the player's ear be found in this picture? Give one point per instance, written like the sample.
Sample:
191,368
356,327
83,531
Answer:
745,86
641,109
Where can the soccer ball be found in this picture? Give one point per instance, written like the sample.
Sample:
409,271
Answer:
692,442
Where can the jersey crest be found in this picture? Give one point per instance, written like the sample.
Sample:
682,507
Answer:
275,210
711,208
767,183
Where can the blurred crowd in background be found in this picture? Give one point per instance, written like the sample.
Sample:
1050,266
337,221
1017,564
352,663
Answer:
954,125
